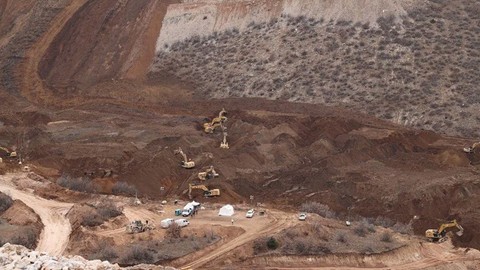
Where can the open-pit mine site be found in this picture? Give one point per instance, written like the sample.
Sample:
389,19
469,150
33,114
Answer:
240,134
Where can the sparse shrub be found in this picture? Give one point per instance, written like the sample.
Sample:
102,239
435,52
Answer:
26,238
108,210
318,208
341,237
92,220
78,184
138,254
402,228
123,188
5,202
260,245
360,230
272,243
174,231
386,237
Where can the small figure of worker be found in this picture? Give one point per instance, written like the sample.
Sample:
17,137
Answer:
232,221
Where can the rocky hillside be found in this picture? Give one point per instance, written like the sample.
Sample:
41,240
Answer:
418,69
19,257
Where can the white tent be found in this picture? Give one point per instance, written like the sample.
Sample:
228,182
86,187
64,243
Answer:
226,210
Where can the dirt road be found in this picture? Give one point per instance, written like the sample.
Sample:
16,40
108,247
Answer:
56,232
278,221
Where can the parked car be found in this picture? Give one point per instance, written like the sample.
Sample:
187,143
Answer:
182,222
302,216
250,213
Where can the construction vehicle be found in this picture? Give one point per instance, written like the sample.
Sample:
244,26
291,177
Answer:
208,174
8,153
439,235
206,192
210,127
224,143
185,163
472,148
138,226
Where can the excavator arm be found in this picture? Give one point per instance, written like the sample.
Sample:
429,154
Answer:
439,235
442,230
188,164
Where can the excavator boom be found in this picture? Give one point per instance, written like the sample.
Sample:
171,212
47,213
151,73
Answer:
187,164
440,233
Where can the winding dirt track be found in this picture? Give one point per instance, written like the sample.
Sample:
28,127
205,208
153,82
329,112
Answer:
279,222
56,231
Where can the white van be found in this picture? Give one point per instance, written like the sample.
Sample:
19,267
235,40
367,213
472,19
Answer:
166,223
187,212
182,222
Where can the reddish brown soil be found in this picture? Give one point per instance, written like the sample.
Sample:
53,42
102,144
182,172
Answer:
81,120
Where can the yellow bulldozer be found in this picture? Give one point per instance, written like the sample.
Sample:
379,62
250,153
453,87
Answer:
206,191
210,127
207,174
439,235
185,163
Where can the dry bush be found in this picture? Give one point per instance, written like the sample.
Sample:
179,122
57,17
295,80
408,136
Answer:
386,237
78,184
123,188
260,245
341,237
174,231
108,209
104,211
318,208
92,220
5,202
138,254
27,237
104,252
403,228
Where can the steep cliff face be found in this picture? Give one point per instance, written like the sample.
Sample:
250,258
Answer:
203,17
104,40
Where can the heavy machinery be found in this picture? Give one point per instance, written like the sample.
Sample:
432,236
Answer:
208,174
439,235
472,148
8,153
185,163
138,226
206,192
210,127
224,143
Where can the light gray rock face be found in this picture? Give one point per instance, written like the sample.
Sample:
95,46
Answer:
19,257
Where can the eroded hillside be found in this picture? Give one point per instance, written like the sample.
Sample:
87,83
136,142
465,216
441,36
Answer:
418,69
77,100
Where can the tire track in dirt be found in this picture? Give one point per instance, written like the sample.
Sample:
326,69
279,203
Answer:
280,222
431,256
56,231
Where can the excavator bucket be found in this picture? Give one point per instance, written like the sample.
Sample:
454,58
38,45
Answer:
459,233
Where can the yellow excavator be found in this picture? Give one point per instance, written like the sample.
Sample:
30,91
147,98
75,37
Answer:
472,148
206,192
210,127
224,143
208,174
185,163
439,235
8,153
